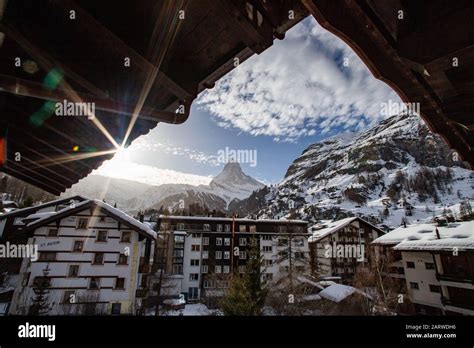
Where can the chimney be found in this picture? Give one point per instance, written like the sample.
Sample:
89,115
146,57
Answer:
404,224
141,216
437,233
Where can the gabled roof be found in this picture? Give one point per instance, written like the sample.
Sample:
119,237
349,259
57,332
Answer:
29,210
335,226
115,213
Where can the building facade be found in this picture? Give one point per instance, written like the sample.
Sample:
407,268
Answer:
438,266
93,259
199,254
339,248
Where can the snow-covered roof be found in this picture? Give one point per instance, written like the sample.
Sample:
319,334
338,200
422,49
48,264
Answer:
419,231
40,215
200,218
458,235
127,219
43,205
332,227
337,292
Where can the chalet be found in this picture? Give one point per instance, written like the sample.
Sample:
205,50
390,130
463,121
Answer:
199,254
438,265
12,231
338,248
93,259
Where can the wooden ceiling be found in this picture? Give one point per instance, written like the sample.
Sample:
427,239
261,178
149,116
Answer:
423,49
79,51
138,61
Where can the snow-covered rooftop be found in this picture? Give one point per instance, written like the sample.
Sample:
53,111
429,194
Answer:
113,211
337,292
332,227
423,237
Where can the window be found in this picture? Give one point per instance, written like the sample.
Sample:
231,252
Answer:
218,269
241,269
242,228
177,269
242,255
122,259
101,236
178,253
205,254
218,241
194,262
282,229
102,219
73,271
227,228
119,284
126,237
180,226
299,242
69,296
179,239
195,247
53,232
283,242
414,285
205,240
253,241
206,284
266,237
78,245
226,269
116,307
435,288
226,241
268,263
242,241
204,268
429,265
94,283
47,256
299,255
267,249
219,228
82,223
268,276
226,255
194,276
98,259
253,228
193,293
206,227
410,264
218,255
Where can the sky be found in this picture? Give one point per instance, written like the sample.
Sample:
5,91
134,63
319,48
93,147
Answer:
301,90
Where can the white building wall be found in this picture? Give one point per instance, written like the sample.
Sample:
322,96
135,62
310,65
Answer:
65,257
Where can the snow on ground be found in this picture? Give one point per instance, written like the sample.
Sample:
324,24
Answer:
195,309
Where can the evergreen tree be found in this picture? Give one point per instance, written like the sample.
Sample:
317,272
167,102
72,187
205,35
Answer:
40,304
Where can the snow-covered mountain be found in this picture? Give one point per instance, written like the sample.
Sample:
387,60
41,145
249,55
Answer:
394,169
231,185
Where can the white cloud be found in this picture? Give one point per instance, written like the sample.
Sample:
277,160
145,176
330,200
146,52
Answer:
298,87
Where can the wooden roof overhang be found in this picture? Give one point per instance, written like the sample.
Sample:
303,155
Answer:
423,49
79,51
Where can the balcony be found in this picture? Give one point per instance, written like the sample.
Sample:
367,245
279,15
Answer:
458,278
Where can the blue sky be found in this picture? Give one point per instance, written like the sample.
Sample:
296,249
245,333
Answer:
303,89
